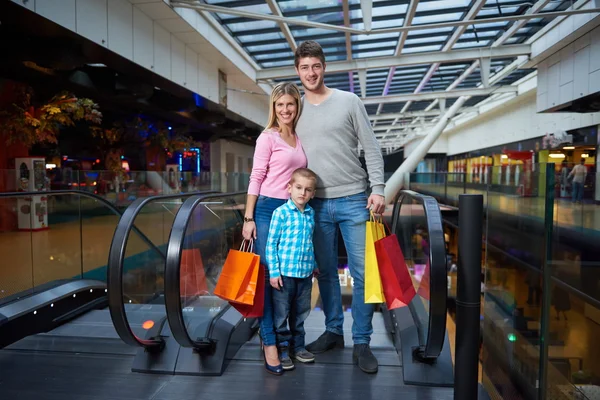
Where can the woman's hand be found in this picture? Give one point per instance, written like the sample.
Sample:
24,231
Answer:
249,230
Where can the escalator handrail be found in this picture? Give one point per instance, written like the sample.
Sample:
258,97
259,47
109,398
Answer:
173,266
116,258
438,285
92,196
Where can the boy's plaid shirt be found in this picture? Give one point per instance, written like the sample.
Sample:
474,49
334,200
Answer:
290,249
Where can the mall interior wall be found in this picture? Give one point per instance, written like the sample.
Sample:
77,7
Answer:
173,44
230,164
513,121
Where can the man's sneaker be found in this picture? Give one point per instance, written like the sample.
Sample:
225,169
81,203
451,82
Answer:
286,361
303,355
365,359
326,341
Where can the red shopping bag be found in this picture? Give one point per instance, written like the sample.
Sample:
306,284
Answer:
424,285
255,310
192,280
237,282
398,288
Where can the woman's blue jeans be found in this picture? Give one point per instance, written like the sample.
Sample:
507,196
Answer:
262,217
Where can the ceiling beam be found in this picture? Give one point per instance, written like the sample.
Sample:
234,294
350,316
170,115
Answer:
366,7
449,94
410,14
408,59
346,8
413,114
285,29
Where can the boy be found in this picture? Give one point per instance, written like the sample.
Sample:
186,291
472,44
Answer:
291,260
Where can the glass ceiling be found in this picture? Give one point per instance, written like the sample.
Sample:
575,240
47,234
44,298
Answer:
265,43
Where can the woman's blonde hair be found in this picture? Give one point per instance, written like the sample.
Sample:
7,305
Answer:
278,91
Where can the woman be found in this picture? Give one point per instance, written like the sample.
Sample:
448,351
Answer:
277,154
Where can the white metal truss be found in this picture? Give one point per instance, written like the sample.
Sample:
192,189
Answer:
295,21
285,29
498,43
346,9
399,127
448,94
471,14
407,59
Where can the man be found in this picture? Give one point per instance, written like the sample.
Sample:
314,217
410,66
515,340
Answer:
578,173
331,126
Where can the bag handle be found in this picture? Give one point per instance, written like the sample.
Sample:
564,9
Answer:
379,220
249,248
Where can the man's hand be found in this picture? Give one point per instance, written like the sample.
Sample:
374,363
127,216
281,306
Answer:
376,202
277,283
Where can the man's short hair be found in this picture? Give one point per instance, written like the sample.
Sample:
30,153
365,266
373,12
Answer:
309,48
304,173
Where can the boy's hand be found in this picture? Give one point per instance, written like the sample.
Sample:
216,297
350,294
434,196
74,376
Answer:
316,272
277,283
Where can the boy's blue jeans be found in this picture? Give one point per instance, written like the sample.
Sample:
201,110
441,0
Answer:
350,215
263,211
292,303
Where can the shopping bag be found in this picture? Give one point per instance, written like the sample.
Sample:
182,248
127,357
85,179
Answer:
398,288
192,280
373,288
237,282
255,310
424,285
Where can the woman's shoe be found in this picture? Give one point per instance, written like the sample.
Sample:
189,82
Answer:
272,369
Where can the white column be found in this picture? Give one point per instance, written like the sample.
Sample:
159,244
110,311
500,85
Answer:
396,181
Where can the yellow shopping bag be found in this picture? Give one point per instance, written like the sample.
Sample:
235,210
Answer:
373,288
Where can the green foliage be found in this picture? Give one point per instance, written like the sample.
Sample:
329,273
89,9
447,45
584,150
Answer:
31,124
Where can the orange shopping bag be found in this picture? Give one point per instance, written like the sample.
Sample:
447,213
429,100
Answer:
237,282
192,280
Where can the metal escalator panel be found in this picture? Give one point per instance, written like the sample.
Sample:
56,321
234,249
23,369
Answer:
204,230
417,223
136,268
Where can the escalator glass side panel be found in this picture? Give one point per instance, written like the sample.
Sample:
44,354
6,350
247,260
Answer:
143,266
49,238
214,228
418,225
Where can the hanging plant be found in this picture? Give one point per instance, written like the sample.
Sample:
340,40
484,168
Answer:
31,124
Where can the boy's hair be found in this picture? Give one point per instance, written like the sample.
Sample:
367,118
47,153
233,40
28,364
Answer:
304,173
309,48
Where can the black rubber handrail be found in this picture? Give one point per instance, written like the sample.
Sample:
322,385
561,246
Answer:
438,284
116,257
93,196
173,268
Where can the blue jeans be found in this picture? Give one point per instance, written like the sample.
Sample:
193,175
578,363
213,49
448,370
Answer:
292,302
350,215
263,211
577,191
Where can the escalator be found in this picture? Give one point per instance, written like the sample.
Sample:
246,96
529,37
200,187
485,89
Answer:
162,319
74,306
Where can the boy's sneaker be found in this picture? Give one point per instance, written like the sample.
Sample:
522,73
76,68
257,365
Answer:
286,361
303,355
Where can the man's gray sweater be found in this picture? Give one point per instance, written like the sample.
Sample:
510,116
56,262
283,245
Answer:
330,133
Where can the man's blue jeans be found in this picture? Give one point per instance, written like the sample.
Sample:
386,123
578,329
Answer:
577,191
350,215
263,211
292,304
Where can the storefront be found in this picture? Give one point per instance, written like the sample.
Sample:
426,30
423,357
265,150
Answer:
514,168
